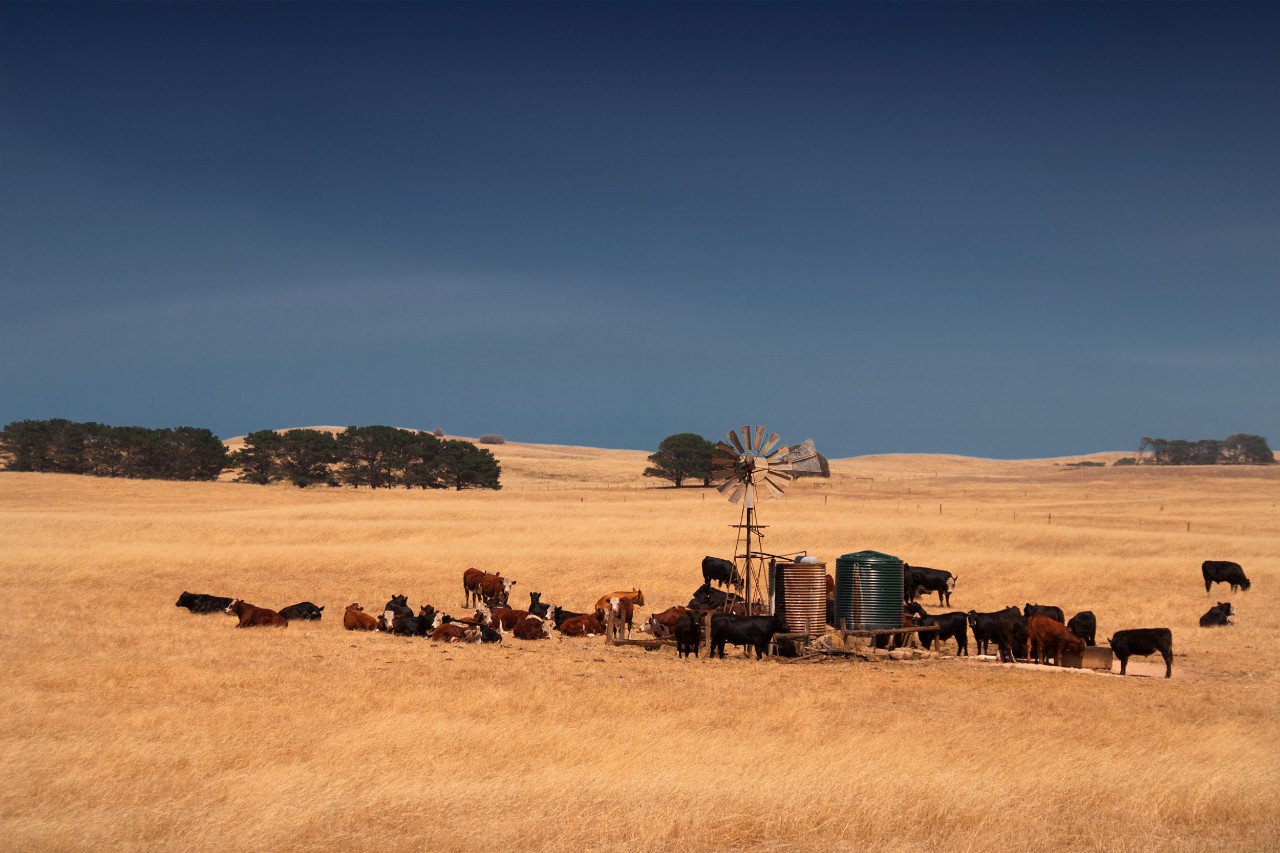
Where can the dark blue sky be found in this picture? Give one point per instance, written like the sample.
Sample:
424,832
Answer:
1004,230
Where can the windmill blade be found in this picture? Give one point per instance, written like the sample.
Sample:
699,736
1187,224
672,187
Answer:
733,437
765,451
802,451
783,475
759,442
779,454
738,489
770,488
725,450
751,496
746,438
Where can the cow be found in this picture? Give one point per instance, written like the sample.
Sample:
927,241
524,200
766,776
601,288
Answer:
454,632
723,572
1084,626
1143,641
559,615
636,596
986,627
707,597
664,624
537,606
1224,571
1054,613
1045,635
478,586
532,628
506,619
1217,616
1011,631
198,602
623,611
399,604
918,579
253,617
301,610
754,631
951,626
355,619
688,634
581,626
413,626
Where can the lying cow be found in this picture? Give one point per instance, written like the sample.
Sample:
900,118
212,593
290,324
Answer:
1143,641
301,610
537,607
722,572
532,628
1217,615
255,617
707,597
664,624
355,619
1084,625
198,602
754,631
1045,635
1224,571
581,626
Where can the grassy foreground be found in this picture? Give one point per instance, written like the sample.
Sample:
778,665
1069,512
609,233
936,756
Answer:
130,724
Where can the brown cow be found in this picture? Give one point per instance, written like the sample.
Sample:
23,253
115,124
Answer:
635,595
532,628
664,624
1045,634
252,617
478,586
506,619
355,619
581,626
453,632
623,611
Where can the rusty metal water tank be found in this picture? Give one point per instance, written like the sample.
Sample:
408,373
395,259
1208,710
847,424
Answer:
868,591
800,596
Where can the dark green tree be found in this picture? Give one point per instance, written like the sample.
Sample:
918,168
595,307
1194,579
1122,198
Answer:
1243,449
307,457
259,459
462,465
680,457
423,470
192,453
375,456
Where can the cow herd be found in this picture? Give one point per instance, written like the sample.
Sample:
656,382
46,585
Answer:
1035,633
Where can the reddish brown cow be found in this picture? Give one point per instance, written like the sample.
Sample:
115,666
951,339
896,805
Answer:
581,626
506,619
253,617
664,624
623,611
1045,635
634,595
355,619
480,586
531,628
452,632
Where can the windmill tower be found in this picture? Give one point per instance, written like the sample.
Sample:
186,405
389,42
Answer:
747,470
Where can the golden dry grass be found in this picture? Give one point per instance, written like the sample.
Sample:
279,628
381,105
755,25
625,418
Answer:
130,724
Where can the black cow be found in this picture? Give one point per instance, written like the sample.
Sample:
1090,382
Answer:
559,614
1224,571
301,610
986,627
1217,615
1011,630
399,605
723,572
688,634
754,631
918,579
951,626
1143,641
537,607
1054,613
707,597
1084,626
198,602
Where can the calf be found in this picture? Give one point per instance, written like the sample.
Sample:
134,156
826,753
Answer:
951,626
635,595
1217,615
253,617
537,607
355,619
722,572
688,634
198,602
1143,641
754,631
581,626
1084,626
1045,635
1224,571
1054,613
919,579
301,610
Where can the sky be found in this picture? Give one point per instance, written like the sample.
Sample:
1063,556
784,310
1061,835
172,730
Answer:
1007,230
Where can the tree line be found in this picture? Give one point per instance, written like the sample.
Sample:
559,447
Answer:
373,456
1238,449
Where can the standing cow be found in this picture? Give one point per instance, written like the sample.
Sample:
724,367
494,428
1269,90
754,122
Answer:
1224,571
1143,641
723,572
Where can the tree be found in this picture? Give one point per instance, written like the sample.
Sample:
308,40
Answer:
462,465
682,456
376,456
306,456
1242,449
259,459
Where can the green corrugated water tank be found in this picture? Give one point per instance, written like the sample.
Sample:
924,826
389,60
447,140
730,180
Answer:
868,591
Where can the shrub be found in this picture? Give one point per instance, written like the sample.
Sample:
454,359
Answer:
492,439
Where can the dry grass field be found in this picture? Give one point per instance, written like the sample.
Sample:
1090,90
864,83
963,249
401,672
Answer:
129,723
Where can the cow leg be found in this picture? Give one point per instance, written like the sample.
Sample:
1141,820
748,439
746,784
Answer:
1168,664
1124,662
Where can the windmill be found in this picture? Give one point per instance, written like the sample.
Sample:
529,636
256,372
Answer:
749,469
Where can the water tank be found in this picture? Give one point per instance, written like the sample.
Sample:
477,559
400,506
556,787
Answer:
868,591
800,596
